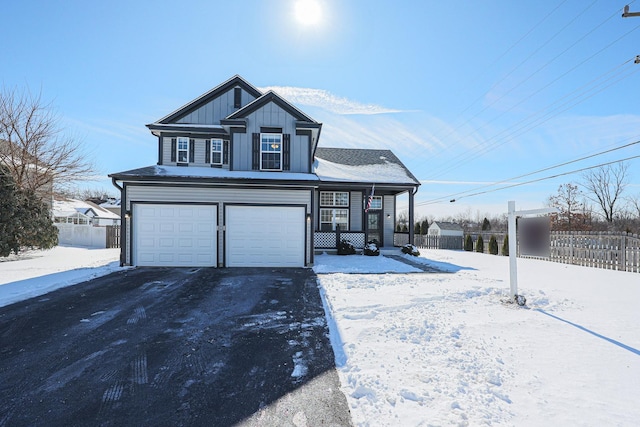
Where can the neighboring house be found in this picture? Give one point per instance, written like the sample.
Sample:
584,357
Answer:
112,205
439,228
82,223
241,181
71,211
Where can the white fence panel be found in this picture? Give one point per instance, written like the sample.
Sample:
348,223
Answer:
82,235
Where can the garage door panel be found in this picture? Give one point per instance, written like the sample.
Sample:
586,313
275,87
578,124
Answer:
265,236
175,235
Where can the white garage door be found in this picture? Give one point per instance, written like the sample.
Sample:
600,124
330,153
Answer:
175,235
265,236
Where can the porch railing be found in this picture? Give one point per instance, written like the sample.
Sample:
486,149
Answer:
328,239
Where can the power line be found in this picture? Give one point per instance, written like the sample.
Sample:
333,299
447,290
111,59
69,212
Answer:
535,180
462,193
483,150
536,119
510,72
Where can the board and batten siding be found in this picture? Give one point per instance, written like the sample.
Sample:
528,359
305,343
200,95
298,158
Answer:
388,217
271,115
221,196
217,109
356,210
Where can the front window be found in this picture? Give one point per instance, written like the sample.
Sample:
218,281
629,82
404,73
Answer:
216,151
376,203
182,148
334,198
331,215
271,151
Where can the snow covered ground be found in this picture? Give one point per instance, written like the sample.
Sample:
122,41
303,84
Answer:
34,273
443,349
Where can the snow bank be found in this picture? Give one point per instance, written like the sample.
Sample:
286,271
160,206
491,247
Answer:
34,273
441,349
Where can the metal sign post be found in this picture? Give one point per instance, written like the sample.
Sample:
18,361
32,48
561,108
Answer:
513,246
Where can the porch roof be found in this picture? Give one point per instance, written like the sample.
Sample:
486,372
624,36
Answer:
361,166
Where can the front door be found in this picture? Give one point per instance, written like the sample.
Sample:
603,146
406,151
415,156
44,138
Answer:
374,227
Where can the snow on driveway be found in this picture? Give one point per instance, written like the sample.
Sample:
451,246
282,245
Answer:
34,273
443,349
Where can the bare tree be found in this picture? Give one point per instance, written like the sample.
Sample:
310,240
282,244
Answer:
567,200
33,147
605,186
634,202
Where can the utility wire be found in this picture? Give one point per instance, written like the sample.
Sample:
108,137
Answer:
516,129
430,202
484,150
510,72
462,193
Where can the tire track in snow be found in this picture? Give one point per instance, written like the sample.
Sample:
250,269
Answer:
139,313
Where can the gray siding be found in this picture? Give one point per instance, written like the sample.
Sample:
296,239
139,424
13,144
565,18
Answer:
199,152
271,115
221,196
356,210
215,110
389,209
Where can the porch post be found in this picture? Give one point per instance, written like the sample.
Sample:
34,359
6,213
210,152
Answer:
411,221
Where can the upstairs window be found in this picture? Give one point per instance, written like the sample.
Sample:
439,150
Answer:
237,97
182,150
271,151
216,151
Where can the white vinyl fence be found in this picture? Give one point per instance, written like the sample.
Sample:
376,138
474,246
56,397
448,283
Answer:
614,251
82,235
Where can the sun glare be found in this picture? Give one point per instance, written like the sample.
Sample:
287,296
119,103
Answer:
308,12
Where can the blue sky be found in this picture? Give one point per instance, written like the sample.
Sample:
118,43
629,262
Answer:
466,93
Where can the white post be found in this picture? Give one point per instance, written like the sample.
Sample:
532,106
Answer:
513,264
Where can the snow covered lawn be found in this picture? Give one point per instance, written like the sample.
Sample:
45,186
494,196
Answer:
34,273
443,349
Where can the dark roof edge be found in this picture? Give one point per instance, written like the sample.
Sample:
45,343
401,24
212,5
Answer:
236,80
271,96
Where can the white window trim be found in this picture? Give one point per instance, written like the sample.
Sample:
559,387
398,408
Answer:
221,151
333,218
334,205
178,150
271,152
334,198
374,200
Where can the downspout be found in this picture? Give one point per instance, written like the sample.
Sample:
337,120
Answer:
123,221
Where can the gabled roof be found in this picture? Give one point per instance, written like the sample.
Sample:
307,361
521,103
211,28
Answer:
452,226
268,97
361,165
63,207
213,93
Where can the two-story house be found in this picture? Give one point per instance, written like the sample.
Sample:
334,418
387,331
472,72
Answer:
241,181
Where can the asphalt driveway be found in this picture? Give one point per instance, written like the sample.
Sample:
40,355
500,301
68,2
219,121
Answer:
172,347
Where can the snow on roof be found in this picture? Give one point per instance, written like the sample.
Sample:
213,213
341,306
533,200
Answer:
209,172
448,225
112,203
68,207
387,172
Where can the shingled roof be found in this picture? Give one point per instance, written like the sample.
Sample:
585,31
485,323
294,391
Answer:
365,165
